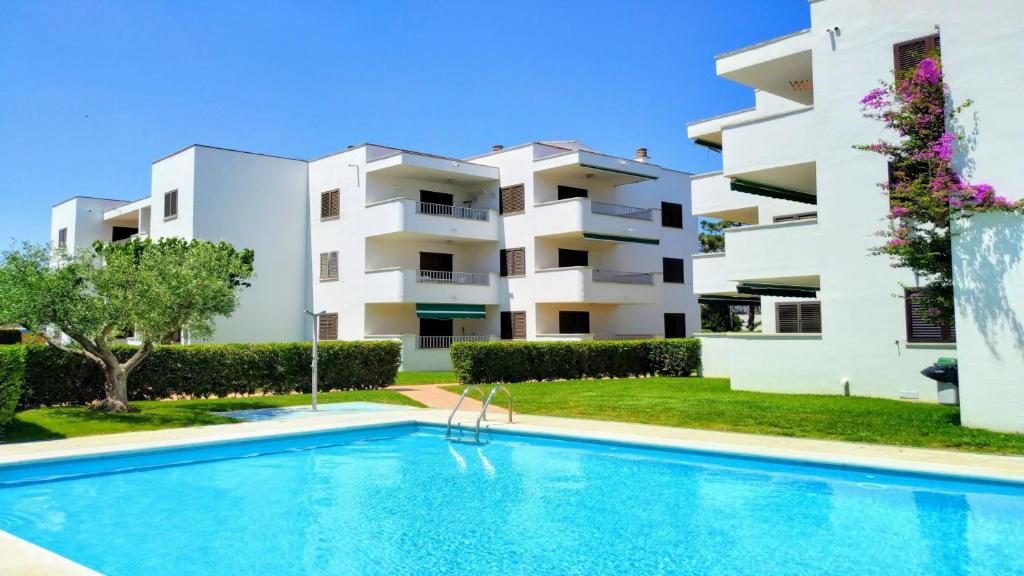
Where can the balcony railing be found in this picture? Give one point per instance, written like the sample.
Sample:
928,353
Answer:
621,211
464,278
619,277
453,211
446,341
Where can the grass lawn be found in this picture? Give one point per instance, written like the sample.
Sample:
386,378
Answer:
708,403
426,378
66,422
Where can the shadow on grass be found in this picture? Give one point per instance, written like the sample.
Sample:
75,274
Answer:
20,431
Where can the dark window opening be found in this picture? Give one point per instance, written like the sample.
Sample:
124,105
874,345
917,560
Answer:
673,270
62,237
572,322
170,204
442,198
436,327
436,261
671,215
568,258
122,233
675,325
571,192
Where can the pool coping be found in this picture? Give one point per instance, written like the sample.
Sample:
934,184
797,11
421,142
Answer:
21,558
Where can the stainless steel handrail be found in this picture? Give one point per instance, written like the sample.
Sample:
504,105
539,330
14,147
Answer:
487,402
448,431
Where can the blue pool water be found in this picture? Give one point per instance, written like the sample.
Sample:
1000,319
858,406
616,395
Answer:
401,500
295,412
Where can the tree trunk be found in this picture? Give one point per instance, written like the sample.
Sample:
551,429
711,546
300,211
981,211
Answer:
116,390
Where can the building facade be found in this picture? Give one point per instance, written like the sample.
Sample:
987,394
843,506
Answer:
834,321
544,241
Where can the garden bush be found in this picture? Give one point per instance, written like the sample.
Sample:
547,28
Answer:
53,377
12,370
519,361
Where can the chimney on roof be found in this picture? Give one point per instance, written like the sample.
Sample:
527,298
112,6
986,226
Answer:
497,147
641,155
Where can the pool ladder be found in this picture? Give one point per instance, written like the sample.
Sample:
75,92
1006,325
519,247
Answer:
483,410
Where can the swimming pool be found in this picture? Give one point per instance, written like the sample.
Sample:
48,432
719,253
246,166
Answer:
401,500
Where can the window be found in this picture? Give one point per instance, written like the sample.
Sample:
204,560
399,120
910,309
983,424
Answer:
122,233
919,329
671,215
570,322
798,317
513,325
795,217
568,258
330,204
436,261
328,327
513,199
907,55
328,265
672,270
513,262
62,237
570,192
170,204
675,325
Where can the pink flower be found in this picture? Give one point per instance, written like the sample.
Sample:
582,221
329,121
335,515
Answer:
933,311
898,212
944,146
893,243
875,99
928,71
980,193
955,202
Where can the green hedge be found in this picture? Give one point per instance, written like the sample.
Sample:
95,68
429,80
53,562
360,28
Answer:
519,361
12,370
53,377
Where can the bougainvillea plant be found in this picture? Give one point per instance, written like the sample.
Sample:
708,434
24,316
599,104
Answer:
925,192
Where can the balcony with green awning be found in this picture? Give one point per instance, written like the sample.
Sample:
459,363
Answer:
453,311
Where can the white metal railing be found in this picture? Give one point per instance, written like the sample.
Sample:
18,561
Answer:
453,211
442,277
621,211
619,277
446,341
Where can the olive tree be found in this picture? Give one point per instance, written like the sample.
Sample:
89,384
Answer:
94,295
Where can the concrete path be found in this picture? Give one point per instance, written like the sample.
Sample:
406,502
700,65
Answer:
435,396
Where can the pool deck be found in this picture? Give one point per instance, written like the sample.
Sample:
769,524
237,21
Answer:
20,558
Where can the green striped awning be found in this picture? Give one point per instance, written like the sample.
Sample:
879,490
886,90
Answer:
451,311
769,191
791,290
731,300
614,238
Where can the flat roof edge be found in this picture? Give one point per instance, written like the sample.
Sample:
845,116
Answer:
760,44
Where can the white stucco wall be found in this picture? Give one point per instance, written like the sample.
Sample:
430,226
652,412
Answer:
988,271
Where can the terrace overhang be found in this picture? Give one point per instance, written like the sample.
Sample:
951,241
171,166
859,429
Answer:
429,168
593,166
781,66
451,311
785,290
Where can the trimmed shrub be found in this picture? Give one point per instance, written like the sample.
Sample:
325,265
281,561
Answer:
53,377
520,361
12,370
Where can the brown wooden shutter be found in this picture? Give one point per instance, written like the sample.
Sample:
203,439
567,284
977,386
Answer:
328,326
919,329
329,266
513,262
519,325
330,204
810,317
787,318
798,317
907,55
513,199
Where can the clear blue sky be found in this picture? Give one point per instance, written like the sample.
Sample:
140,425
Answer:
92,92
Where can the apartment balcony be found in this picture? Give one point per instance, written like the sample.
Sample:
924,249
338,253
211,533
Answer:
709,274
582,284
405,217
411,285
427,352
773,156
714,198
592,220
429,168
780,66
787,254
593,166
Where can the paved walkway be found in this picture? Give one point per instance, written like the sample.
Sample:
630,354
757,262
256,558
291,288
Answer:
435,396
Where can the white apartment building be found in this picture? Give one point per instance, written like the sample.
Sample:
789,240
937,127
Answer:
811,206
544,241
